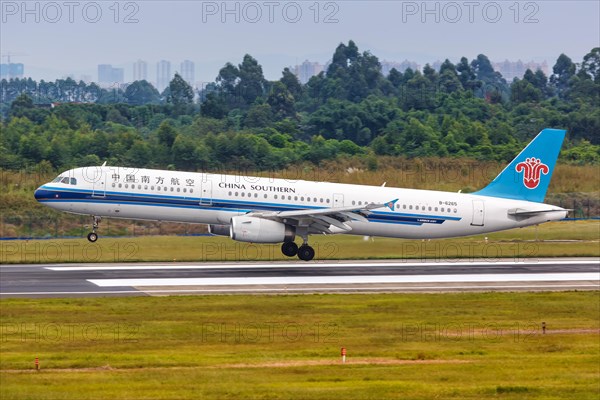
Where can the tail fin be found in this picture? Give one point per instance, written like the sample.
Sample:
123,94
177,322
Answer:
527,176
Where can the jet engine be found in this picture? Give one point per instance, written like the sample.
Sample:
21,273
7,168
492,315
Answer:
259,230
219,230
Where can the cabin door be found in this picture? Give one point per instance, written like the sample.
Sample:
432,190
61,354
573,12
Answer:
478,213
205,192
98,176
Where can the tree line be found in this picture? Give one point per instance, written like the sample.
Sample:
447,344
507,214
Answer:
242,120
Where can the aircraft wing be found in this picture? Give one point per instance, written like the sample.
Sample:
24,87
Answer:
323,220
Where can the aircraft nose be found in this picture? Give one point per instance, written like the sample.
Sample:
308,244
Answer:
38,193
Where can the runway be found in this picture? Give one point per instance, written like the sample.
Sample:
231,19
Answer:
140,279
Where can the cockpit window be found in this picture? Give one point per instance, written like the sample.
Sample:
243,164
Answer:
73,181
65,180
57,179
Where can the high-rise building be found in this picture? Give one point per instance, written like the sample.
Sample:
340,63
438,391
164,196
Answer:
140,70
307,70
108,75
188,72
516,69
163,75
12,71
387,66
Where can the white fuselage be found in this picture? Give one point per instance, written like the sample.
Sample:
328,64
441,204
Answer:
214,199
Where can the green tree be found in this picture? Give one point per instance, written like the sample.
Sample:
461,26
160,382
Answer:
166,134
522,91
563,71
252,83
292,83
181,95
281,101
141,92
258,116
591,64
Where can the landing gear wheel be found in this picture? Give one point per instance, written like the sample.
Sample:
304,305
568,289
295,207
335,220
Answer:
92,237
289,249
306,253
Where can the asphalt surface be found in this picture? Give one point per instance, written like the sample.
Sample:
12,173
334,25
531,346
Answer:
139,279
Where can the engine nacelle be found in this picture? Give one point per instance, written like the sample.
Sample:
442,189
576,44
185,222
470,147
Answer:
219,230
259,230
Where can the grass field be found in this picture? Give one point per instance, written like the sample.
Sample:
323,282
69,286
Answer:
557,239
404,346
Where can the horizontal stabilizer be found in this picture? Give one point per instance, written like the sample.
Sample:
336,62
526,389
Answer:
530,213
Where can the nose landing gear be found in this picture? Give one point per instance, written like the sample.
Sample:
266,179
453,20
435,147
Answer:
93,236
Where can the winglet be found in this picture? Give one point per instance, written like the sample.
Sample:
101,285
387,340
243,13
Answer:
527,176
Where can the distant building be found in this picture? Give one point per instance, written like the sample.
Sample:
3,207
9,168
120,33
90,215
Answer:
12,71
188,72
140,70
386,66
516,69
163,75
307,70
108,75
437,64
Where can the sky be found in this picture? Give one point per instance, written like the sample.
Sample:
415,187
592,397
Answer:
68,37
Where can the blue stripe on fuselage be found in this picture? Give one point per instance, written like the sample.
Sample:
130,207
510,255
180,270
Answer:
53,195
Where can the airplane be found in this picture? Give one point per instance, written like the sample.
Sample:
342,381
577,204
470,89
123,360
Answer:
268,210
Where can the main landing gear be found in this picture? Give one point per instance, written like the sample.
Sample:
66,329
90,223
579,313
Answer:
304,252
93,236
